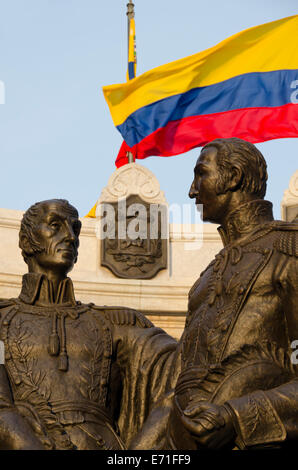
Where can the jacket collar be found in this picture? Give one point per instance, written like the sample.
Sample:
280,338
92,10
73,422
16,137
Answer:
37,289
249,217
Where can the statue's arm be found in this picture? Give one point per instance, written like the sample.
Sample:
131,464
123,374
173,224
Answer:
153,432
15,432
145,357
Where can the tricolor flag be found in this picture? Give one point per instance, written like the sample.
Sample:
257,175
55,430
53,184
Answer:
246,87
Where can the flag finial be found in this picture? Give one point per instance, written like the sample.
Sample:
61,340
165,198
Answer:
130,10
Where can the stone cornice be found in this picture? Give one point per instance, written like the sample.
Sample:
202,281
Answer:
11,219
173,294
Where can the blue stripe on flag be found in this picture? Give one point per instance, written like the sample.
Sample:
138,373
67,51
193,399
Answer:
250,90
131,70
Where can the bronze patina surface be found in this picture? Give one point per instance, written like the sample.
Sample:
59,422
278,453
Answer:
75,376
237,384
238,387
87,377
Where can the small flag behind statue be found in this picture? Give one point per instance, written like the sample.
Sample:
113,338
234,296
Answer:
246,87
132,52
122,158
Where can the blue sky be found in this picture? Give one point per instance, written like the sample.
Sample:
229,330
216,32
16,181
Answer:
57,138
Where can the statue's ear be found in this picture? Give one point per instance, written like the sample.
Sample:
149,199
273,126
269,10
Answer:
25,245
236,178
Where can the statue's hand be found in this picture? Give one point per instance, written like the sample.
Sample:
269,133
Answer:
211,426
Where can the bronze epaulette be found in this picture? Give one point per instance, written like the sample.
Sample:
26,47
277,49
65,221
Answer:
124,316
6,303
287,240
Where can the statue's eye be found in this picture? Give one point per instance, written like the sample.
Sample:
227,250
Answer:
199,171
55,225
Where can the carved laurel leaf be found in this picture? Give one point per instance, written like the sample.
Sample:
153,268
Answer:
93,346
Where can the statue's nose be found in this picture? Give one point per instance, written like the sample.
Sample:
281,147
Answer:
69,233
192,192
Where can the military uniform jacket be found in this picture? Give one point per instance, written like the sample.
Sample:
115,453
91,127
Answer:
242,320
83,377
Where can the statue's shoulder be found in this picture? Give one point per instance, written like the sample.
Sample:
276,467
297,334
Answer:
286,237
5,305
123,316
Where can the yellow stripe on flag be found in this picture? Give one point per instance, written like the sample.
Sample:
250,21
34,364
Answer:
132,53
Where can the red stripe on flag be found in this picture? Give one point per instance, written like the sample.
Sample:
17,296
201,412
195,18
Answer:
122,158
251,124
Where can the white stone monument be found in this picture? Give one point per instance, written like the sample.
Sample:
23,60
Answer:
289,203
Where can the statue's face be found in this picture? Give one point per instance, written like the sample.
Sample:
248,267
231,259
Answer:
203,188
57,230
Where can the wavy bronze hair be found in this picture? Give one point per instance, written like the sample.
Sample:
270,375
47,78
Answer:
234,152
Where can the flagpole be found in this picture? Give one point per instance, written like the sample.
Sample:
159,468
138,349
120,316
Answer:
130,14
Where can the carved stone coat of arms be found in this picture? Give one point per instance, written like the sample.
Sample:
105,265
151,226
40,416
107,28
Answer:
137,247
